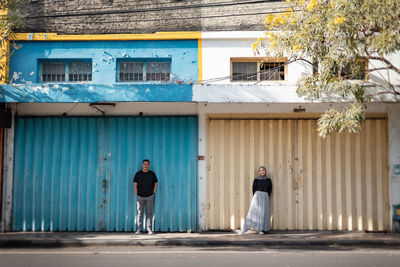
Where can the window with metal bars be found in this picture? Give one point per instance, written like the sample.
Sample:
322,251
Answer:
253,70
67,71
134,71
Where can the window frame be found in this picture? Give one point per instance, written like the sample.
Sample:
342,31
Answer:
259,61
144,62
339,75
67,62
366,73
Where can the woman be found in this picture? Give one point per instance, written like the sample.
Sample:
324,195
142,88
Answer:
258,217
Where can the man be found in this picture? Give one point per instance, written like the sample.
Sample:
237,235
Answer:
145,188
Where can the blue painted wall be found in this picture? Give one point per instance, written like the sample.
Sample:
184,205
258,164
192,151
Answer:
89,93
75,174
25,85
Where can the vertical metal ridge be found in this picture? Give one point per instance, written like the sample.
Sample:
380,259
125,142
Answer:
75,174
336,183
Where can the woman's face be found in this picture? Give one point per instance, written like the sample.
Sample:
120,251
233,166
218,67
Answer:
261,171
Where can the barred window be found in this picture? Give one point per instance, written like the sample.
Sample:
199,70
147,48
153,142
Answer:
53,72
130,71
158,71
144,71
272,71
80,71
68,71
355,71
244,71
257,70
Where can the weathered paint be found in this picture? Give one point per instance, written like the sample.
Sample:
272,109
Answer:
1,172
89,93
24,65
340,183
200,57
394,155
219,47
106,37
273,92
8,167
75,174
4,60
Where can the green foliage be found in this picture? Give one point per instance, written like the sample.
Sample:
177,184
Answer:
12,18
338,38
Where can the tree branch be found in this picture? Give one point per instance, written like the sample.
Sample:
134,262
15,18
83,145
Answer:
387,62
376,69
383,93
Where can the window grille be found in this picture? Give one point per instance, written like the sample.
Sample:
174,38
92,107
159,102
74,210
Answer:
70,71
354,72
80,71
53,72
244,71
273,70
144,71
130,71
158,71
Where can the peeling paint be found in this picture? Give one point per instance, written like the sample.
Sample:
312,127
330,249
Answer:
15,76
56,86
41,93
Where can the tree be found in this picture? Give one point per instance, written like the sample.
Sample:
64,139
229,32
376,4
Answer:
344,42
12,15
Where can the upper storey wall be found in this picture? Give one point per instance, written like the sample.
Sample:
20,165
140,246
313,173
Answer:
144,16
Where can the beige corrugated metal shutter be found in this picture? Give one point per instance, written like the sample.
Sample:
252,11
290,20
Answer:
337,183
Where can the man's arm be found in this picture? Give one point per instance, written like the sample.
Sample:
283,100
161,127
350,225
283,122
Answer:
155,188
135,188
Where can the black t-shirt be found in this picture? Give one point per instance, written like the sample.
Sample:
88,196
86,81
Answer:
145,183
264,185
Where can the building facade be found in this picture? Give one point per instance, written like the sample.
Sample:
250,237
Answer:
203,108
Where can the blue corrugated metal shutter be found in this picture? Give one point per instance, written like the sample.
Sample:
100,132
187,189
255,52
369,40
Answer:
75,174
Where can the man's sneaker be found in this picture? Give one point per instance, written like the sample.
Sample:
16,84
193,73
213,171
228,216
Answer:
138,232
150,233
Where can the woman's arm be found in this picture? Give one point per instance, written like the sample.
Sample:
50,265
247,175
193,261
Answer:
269,186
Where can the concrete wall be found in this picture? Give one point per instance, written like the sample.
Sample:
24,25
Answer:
25,84
220,47
119,16
183,54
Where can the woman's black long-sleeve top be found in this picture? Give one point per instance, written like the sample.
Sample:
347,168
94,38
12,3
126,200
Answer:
264,185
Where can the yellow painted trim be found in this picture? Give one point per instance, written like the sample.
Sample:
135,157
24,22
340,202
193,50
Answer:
200,51
4,61
106,37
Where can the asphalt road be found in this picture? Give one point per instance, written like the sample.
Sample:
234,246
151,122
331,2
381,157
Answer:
176,257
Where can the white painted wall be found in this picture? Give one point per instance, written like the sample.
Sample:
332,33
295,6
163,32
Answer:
220,47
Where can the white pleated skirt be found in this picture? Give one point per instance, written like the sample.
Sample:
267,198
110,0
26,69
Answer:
258,218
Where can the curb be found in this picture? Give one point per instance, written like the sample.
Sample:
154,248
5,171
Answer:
64,243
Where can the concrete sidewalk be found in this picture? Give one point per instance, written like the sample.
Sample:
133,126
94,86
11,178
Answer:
286,239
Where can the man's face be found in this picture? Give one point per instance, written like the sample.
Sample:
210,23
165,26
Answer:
146,166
